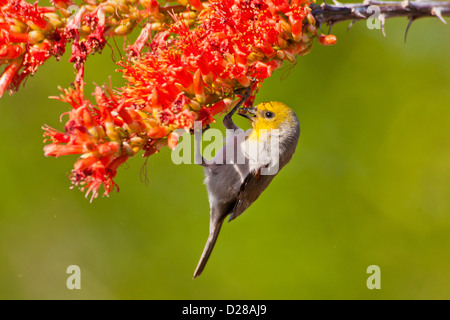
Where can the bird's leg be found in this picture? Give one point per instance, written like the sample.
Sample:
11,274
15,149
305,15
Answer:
227,120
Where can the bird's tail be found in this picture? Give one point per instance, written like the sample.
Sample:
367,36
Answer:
213,234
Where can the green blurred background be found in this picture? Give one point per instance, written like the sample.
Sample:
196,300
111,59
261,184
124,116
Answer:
368,185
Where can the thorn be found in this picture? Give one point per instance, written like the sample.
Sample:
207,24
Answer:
331,24
325,5
320,27
411,20
381,17
351,24
358,14
337,3
319,24
438,13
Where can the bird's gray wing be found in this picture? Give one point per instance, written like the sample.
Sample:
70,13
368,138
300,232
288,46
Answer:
252,187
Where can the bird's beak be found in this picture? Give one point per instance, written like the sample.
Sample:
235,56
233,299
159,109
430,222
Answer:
250,115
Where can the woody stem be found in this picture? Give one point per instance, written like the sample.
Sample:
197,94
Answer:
381,10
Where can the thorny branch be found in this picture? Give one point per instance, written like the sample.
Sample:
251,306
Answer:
412,10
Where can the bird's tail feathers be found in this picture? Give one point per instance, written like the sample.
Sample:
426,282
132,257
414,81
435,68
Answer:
213,234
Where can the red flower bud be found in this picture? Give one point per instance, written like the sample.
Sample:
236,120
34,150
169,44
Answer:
157,132
84,163
327,40
56,150
108,148
172,140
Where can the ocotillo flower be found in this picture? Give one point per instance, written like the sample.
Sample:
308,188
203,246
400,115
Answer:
24,44
192,71
30,34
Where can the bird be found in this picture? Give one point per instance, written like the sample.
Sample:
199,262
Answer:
234,180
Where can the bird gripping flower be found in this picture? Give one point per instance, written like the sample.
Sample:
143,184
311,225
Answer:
234,181
186,70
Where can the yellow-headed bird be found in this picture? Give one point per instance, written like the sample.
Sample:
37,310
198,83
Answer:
246,165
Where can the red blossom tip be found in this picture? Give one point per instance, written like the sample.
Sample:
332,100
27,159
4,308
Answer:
327,40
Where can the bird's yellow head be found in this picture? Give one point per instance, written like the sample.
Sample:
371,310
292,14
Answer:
272,115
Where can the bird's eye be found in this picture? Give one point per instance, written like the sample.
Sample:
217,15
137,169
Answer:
269,114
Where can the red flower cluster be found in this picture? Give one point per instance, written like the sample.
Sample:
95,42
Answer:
30,34
27,40
192,70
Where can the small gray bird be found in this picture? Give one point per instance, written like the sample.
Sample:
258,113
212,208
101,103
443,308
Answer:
240,172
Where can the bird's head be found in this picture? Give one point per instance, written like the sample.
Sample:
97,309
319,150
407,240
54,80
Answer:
272,115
